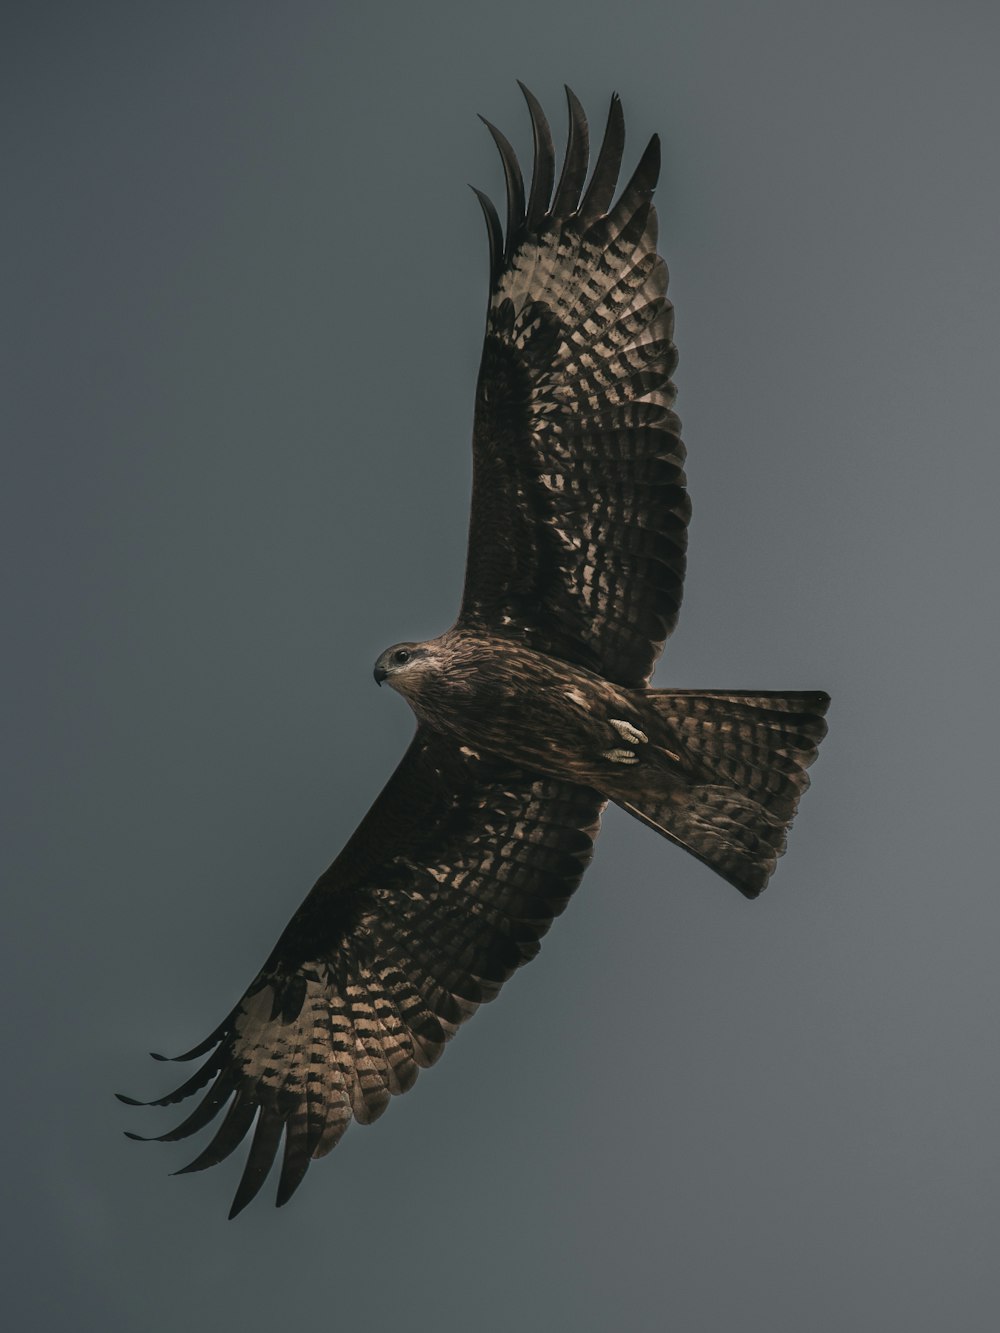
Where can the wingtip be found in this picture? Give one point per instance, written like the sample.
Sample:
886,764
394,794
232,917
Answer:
543,165
249,1188
534,105
486,203
286,1189
514,183
574,102
646,175
500,139
129,1101
599,193
575,159
187,1170
201,1049
655,158
494,232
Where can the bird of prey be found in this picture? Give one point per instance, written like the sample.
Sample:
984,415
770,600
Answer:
534,709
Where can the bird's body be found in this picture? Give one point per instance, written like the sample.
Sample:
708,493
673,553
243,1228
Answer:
535,709
498,697
686,762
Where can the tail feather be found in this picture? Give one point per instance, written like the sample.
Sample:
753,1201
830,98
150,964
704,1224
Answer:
746,757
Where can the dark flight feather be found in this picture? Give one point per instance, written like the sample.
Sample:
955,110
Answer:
544,168
600,191
494,232
515,185
574,170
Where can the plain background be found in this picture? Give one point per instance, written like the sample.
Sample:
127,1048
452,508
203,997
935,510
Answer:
244,288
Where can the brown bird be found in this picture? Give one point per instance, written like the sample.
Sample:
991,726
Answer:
534,709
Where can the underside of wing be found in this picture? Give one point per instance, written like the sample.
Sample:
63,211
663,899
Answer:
445,889
579,516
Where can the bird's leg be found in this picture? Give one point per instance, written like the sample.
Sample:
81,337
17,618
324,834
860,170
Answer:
627,732
621,756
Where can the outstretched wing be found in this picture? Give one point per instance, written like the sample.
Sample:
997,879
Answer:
579,514
445,889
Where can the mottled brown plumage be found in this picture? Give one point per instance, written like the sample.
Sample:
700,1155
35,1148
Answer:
534,709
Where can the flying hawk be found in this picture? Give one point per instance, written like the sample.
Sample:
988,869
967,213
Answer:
533,710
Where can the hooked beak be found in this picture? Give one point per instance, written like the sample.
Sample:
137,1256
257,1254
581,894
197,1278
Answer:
380,674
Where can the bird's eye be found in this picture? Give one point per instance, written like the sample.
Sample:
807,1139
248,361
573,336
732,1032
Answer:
401,656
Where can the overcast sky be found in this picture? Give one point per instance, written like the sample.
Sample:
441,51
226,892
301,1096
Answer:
245,283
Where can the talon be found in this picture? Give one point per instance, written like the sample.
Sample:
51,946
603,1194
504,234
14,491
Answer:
621,756
627,732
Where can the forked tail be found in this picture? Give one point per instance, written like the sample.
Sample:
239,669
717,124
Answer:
740,770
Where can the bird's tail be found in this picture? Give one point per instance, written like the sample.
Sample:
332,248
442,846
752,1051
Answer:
740,769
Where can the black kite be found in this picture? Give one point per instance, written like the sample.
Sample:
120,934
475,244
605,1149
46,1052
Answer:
534,709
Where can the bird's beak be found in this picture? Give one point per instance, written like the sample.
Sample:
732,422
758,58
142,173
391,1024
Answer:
380,674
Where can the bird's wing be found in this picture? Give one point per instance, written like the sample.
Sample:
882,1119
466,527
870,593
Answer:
444,890
579,514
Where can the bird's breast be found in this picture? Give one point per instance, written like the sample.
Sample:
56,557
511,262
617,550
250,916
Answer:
533,710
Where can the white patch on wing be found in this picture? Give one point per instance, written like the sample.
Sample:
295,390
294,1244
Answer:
575,697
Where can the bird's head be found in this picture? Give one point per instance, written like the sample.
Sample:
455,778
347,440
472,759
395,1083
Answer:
403,666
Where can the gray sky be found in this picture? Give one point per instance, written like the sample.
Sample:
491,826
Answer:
248,287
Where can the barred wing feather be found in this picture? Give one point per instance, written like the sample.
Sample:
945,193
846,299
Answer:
445,889
579,517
